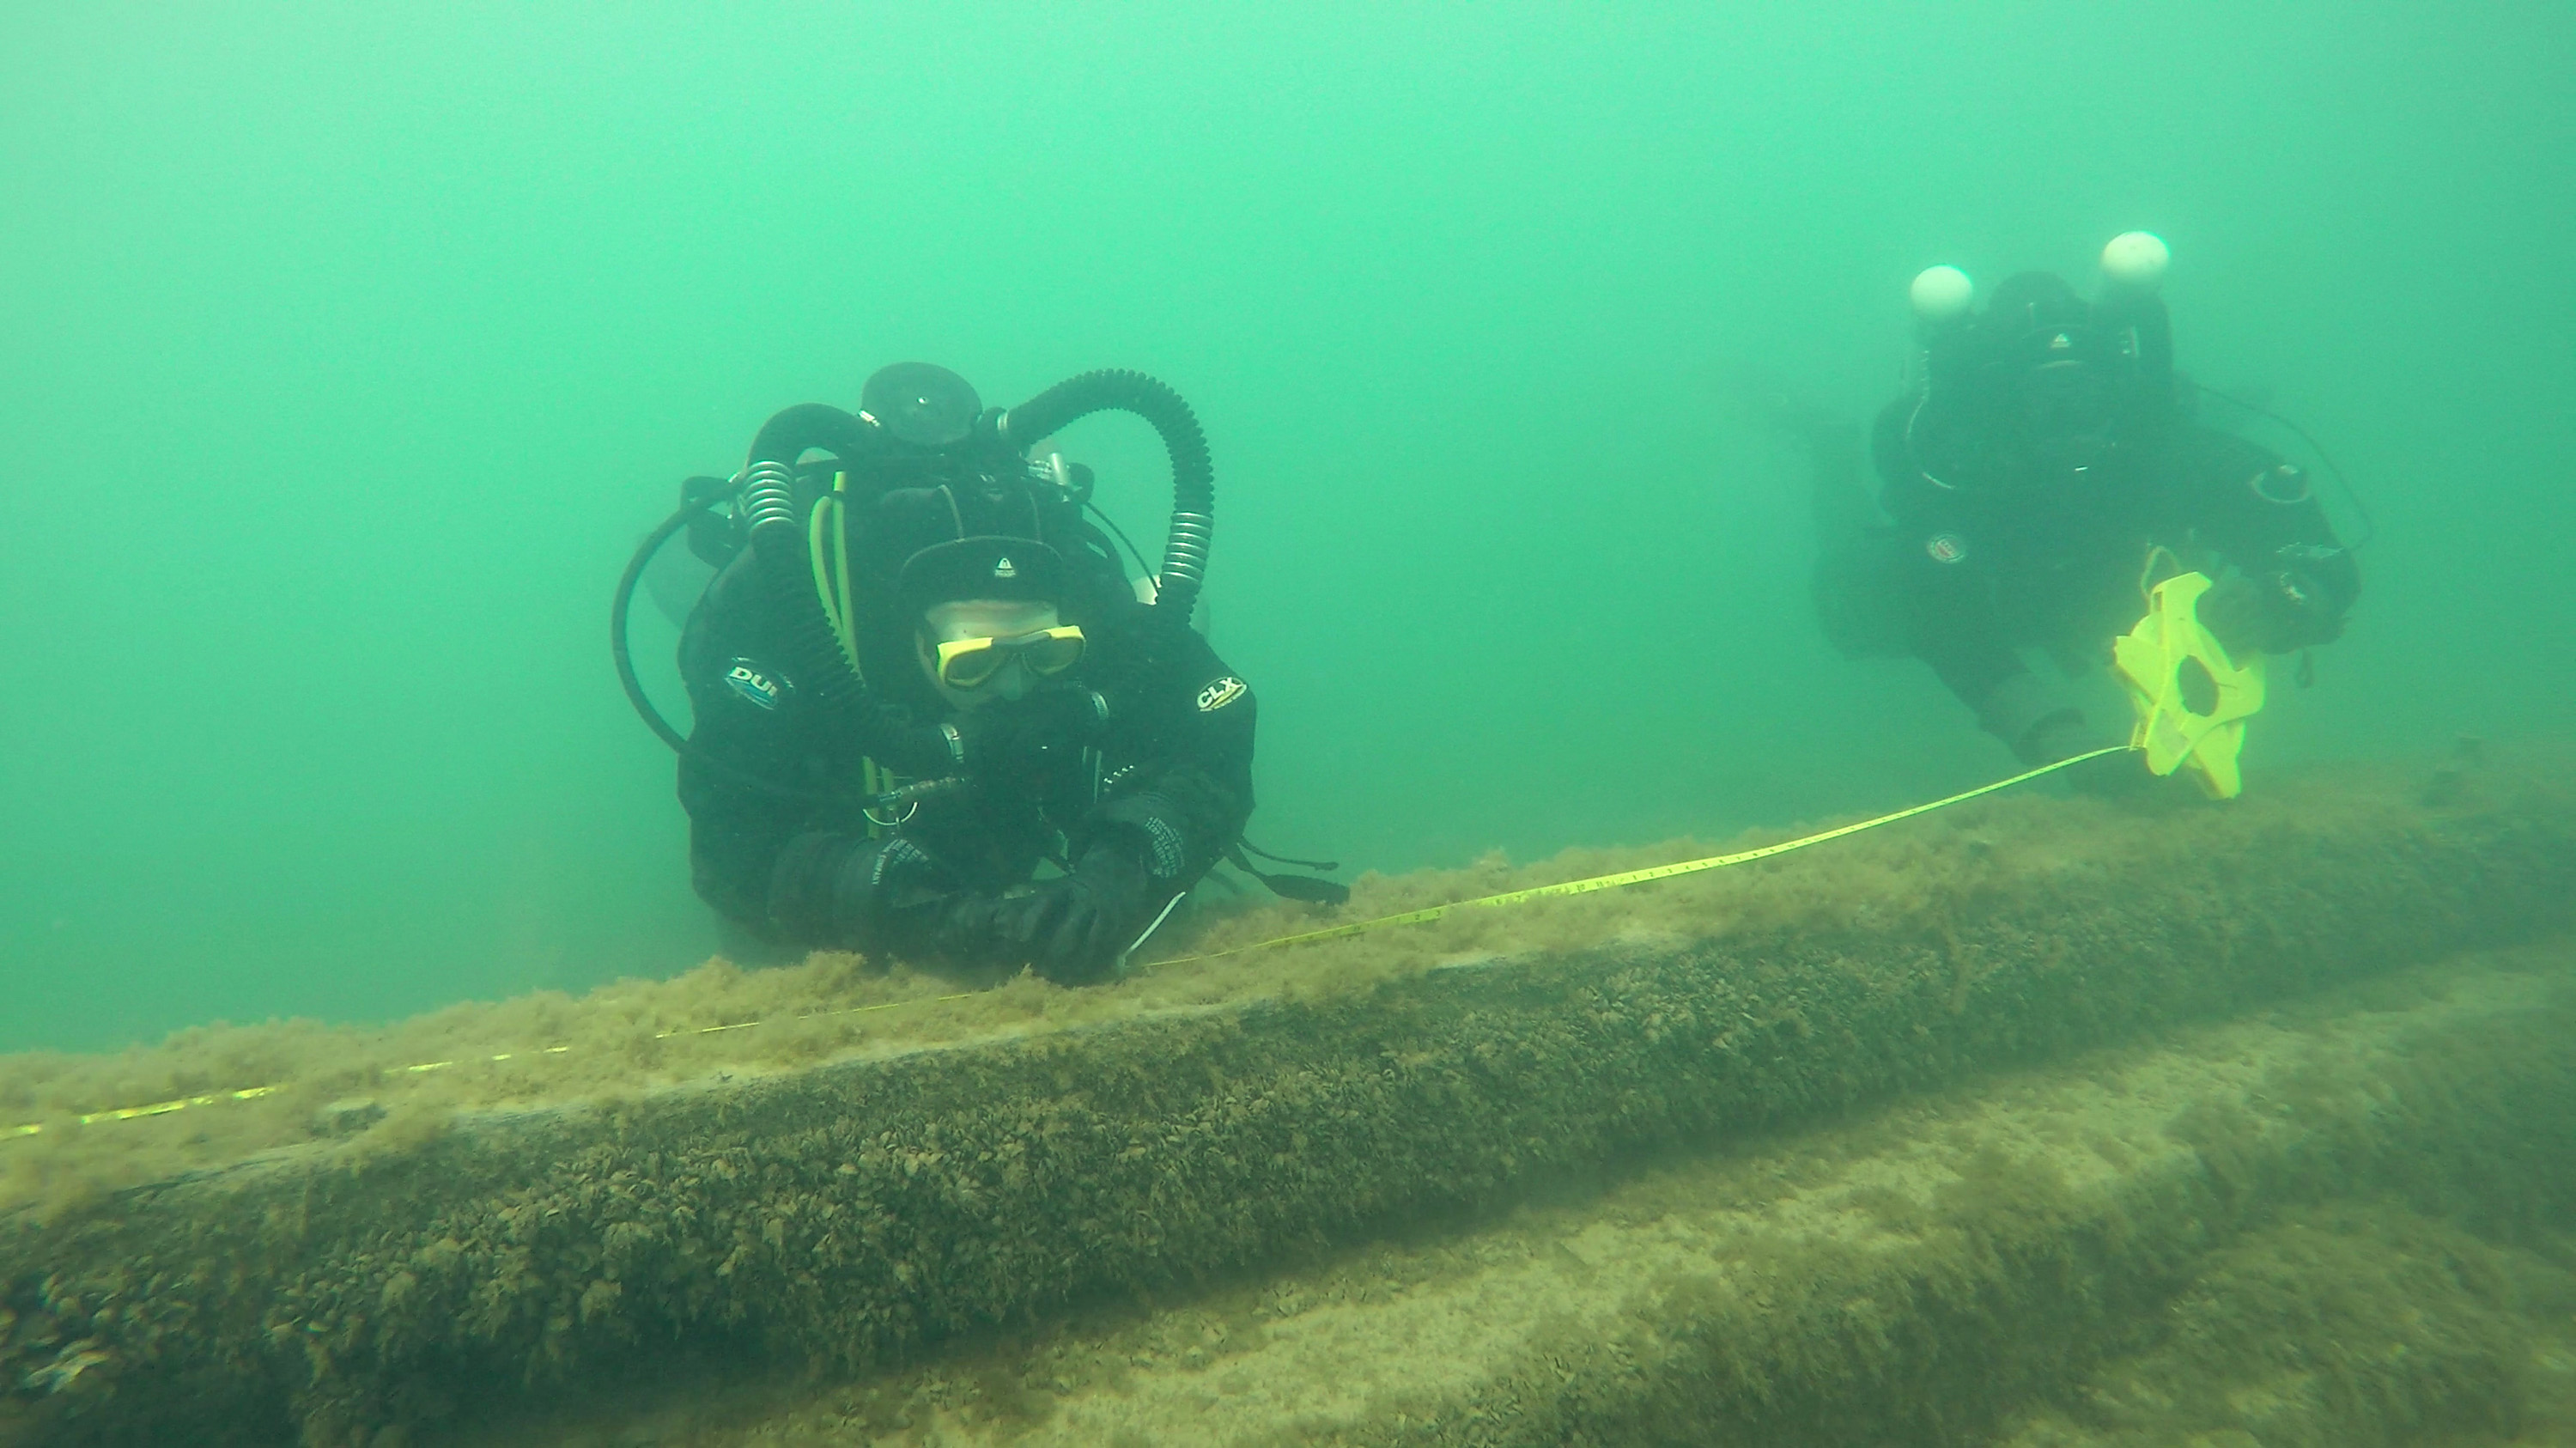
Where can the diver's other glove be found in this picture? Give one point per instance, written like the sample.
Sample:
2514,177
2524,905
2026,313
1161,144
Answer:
1072,930
2033,720
2060,734
2274,612
837,893
2063,734
968,929
1025,736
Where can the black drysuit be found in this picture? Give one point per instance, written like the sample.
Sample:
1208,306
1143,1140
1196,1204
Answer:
1144,750
1965,576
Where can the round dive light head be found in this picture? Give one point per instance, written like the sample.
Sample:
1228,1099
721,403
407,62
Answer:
1941,293
2136,259
921,404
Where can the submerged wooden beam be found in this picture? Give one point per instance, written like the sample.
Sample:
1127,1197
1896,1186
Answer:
847,1212
2324,1212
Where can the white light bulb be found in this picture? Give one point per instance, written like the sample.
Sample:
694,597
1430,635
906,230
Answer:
1941,293
2136,259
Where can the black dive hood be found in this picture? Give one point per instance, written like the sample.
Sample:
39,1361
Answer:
2040,384
917,425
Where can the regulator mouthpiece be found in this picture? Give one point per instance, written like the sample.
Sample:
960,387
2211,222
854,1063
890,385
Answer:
1942,293
2135,259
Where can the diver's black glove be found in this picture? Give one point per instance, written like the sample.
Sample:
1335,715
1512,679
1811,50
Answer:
842,894
1023,737
1071,930
2274,612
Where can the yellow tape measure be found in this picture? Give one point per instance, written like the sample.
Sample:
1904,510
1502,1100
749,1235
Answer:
1639,877
1337,932
253,1093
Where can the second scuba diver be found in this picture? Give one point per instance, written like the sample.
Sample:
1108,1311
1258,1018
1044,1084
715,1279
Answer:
2041,468
920,672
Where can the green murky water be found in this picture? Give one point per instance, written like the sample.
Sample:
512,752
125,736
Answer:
349,348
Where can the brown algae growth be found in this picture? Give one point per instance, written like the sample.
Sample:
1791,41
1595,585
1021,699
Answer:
847,1189
2344,1224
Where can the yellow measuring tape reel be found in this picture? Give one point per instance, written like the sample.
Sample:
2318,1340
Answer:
2191,699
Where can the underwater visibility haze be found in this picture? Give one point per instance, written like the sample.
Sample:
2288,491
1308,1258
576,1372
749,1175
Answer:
350,349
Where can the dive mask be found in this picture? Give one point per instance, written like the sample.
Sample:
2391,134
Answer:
972,663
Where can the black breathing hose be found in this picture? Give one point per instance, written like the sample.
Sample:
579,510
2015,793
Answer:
622,654
2351,494
776,525
1193,475
617,610
769,510
620,651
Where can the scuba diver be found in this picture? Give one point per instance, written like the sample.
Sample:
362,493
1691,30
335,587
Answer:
919,672
2040,471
